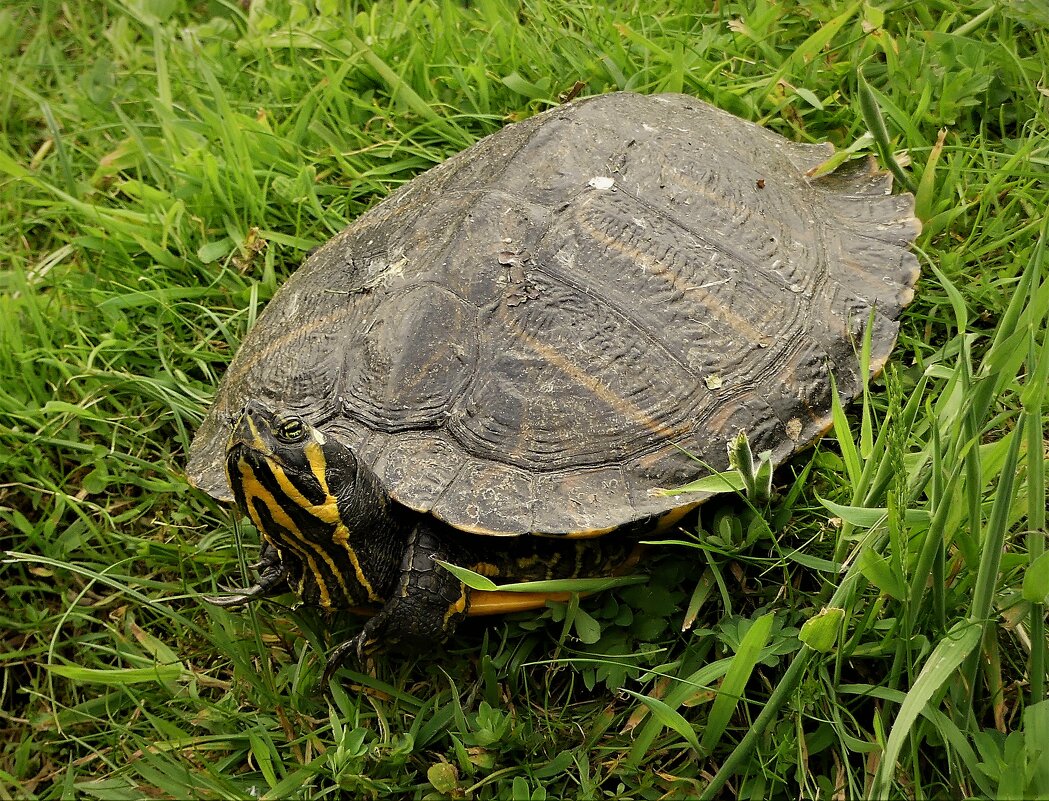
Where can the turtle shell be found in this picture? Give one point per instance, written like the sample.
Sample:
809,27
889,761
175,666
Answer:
581,308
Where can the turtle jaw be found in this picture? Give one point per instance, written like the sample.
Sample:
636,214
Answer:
245,449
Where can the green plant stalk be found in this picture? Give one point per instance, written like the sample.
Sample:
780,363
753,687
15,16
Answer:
990,564
968,432
1026,299
731,691
962,640
1033,405
788,684
877,472
933,544
895,508
968,27
1032,400
866,425
939,566
699,672
875,539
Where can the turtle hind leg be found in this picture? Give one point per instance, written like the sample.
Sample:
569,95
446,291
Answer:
422,610
273,580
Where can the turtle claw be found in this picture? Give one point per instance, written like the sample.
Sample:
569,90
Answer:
268,559
272,581
359,648
234,597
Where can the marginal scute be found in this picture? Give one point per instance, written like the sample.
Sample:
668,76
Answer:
802,397
537,334
663,469
423,464
729,411
578,500
487,499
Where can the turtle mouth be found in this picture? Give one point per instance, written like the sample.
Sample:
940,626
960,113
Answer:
241,449
247,465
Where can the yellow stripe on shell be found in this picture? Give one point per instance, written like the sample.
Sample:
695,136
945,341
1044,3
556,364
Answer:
659,268
593,384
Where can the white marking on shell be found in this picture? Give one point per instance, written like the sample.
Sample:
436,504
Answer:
709,284
383,273
601,182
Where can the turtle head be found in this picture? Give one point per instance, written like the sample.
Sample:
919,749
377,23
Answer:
309,497
284,455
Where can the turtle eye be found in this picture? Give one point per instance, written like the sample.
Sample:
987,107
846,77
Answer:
290,430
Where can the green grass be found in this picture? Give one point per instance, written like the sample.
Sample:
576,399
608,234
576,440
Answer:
876,630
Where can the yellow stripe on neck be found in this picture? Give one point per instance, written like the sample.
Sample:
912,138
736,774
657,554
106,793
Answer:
327,511
307,550
341,536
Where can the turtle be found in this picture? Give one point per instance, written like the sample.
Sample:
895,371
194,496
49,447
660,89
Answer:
500,364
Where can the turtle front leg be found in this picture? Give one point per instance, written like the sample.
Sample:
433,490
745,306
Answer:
422,611
273,580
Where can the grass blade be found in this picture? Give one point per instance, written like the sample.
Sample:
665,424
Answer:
731,691
843,435
961,641
991,556
669,717
1033,400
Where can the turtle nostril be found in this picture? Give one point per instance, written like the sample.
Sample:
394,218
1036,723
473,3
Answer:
256,409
